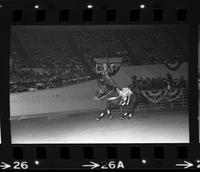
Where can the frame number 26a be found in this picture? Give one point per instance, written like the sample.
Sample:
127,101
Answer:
112,165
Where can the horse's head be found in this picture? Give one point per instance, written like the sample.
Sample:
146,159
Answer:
98,93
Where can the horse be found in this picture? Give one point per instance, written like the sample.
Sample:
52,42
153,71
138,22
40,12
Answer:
110,94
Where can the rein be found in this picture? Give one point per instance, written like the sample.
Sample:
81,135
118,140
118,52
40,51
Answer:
107,93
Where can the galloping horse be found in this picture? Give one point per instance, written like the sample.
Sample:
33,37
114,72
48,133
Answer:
114,101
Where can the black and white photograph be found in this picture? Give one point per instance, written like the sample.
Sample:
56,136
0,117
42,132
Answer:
99,84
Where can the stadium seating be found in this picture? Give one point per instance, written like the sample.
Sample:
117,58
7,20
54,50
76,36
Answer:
54,58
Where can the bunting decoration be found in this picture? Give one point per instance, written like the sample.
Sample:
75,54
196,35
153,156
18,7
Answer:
174,94
173,65
155,96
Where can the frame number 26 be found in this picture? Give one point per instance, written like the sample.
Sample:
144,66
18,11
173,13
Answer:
20,165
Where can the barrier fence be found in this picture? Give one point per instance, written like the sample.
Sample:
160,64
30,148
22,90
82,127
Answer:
81,98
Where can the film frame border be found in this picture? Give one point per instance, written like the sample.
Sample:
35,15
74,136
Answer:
101,152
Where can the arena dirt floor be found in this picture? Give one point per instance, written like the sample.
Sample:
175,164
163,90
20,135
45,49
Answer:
144,127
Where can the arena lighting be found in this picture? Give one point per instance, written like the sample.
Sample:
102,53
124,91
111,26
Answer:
144,161
36,6
37,162
89,6
142,6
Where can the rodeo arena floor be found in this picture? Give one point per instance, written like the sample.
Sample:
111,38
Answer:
145,127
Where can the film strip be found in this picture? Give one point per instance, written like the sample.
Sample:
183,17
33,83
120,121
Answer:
49,117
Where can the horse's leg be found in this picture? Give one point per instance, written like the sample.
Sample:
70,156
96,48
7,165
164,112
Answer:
110,106
127,104
124,113
101,116
121,112
104,112
109,114
131,112
128,113
121,109
108,109
132,106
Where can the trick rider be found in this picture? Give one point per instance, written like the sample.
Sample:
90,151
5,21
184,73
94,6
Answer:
106,73
124,93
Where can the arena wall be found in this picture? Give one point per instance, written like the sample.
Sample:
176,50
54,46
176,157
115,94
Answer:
80,97
123,77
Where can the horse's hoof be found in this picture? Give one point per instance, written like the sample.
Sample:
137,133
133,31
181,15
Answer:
98,119
122,117
111,117
130,116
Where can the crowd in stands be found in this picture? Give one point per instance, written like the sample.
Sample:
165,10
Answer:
160,82
23,80
152,45
42,59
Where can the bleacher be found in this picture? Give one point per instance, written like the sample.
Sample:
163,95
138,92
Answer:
68,55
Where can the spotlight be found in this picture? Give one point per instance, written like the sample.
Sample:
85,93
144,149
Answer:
37,162
142,6
36,6
89,6
144,161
